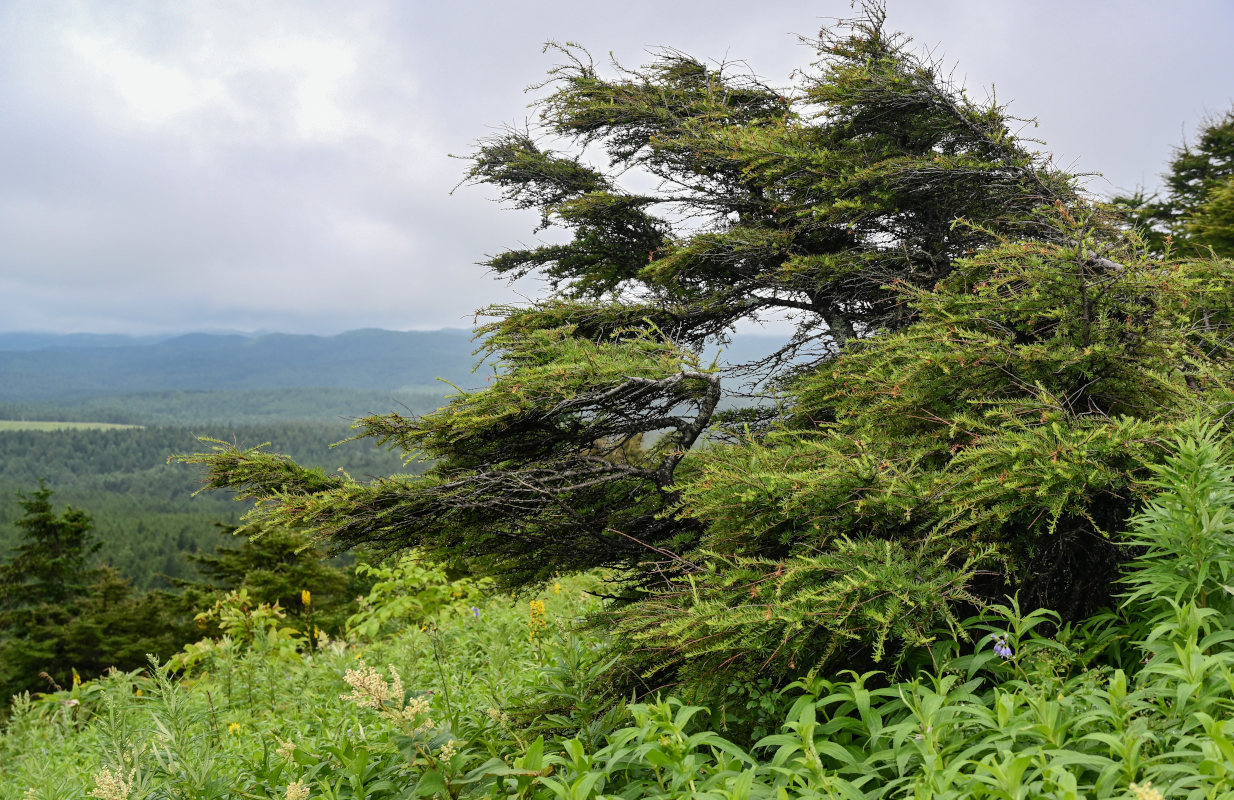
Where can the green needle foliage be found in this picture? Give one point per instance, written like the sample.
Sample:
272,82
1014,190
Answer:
1212,225
52,565
992,446
277,566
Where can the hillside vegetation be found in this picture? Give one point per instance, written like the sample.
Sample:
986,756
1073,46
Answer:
444,690
98,417
220,407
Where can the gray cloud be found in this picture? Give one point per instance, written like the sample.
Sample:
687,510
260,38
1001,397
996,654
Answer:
285,165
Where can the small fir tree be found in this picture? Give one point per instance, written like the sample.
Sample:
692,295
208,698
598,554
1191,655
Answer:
62,616
1197,212
53,563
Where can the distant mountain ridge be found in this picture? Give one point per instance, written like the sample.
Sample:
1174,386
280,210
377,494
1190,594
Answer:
42,341
54,368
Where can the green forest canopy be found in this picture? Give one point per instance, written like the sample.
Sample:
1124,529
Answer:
145,513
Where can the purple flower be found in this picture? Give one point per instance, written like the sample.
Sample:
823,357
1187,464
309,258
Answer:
1001,648
475,612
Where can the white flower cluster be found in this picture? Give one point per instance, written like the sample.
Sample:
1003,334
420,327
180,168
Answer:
370,690
286,750
297,791
110,785
1145,791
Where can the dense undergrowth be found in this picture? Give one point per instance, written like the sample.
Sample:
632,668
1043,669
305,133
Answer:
447,689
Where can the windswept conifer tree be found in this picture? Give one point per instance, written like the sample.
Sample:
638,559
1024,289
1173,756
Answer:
982,368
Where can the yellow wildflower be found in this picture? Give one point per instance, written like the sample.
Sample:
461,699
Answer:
537,618
306,597
235,727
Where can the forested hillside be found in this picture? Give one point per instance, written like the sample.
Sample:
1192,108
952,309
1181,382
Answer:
299,393
225,407
143,506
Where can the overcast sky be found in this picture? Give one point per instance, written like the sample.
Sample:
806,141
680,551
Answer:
177,166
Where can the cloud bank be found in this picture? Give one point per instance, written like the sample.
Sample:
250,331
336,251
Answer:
286,165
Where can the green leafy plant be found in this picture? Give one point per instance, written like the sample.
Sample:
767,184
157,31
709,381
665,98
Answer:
410,591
